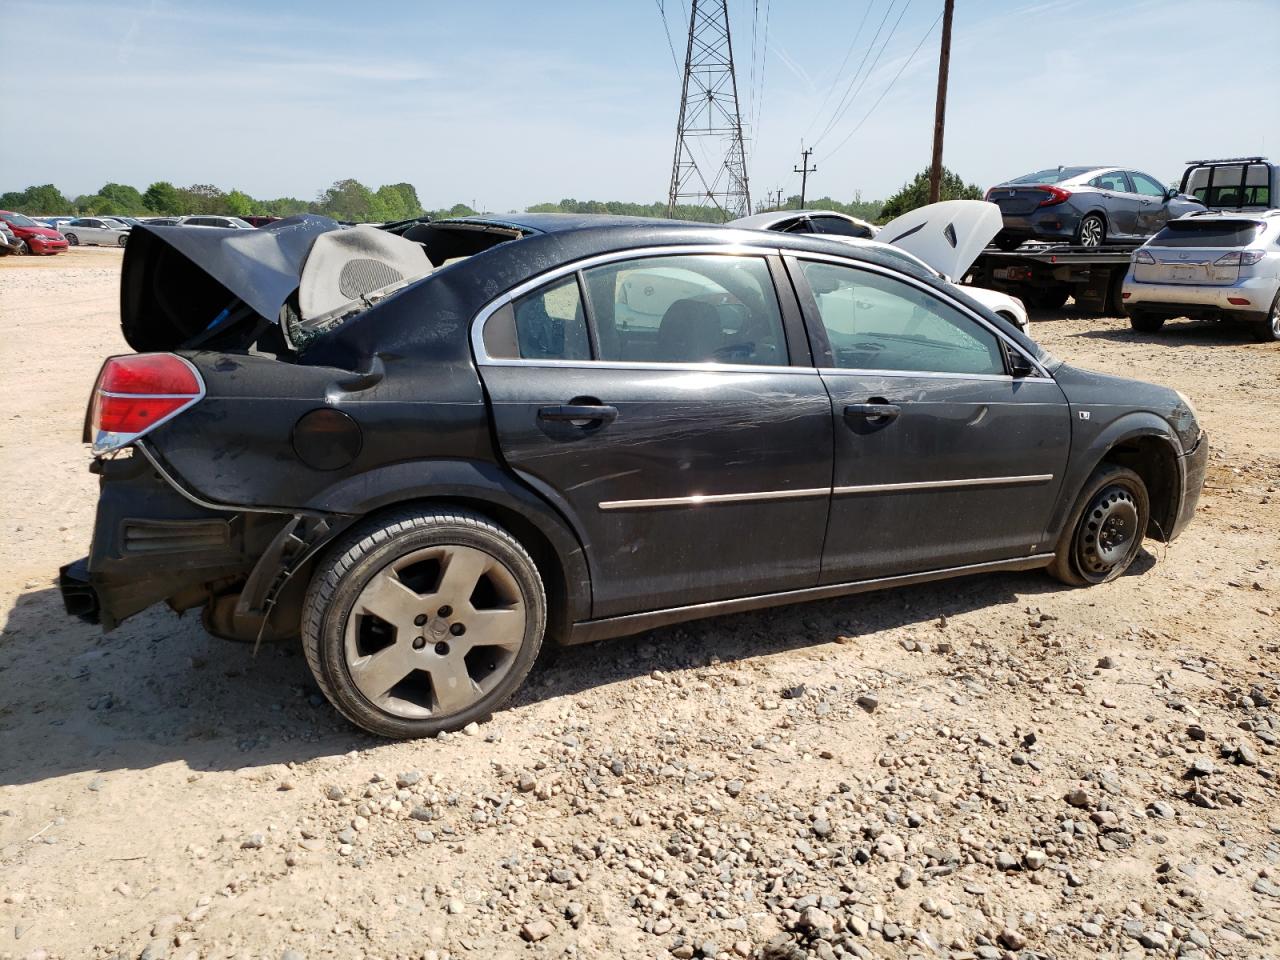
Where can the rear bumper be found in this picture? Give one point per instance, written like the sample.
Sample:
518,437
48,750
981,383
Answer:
1179,299
1194,464
151,544
1050,224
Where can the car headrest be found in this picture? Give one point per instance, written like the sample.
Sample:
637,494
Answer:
690,331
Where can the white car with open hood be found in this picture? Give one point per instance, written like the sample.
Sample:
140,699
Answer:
944,238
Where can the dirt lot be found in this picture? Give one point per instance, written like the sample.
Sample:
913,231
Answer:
985,768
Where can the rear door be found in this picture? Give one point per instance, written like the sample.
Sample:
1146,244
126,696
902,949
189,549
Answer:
942,459
668,405
1116,197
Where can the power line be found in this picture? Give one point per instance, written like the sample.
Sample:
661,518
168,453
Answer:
844,97
840,72
666,28
886,90
867,75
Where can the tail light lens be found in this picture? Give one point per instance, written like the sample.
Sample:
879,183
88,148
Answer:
1239,258
1056,195
1142,256
137,393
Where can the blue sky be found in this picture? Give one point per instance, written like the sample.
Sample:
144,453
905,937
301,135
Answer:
505,104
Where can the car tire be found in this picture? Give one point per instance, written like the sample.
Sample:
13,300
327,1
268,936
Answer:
1052,297
1105,530
23,249
122,240
1008,243
1091,231
1268,330
403,565
72,240
1145,322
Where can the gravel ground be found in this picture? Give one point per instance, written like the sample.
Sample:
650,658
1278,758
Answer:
988,768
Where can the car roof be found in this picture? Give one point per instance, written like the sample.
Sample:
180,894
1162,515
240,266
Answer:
762,221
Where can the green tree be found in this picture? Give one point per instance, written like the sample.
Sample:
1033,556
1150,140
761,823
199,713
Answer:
347,200
123,198
238,204
162,198
916,193
284,207
45,198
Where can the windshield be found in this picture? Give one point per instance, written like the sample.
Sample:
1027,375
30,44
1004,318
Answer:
241,223
1057,175
18,220
1207,233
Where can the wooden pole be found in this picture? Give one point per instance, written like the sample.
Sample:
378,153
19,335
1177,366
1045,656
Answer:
940,113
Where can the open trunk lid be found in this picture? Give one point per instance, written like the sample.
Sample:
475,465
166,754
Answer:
948,236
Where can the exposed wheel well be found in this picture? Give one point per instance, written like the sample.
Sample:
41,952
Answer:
1154,460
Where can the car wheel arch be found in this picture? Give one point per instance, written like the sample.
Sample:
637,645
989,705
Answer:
485,489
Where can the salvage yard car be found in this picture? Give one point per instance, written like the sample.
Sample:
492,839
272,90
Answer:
96,230
33,238
1089,206
1211,266
424,453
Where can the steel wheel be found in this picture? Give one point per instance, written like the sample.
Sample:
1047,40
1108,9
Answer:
423,620
434,631
1092,231
1105,530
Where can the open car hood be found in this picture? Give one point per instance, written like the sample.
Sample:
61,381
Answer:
187,285
948,236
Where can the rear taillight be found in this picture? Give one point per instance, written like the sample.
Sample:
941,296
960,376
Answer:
137,393
1239,258
1056,195
1143,257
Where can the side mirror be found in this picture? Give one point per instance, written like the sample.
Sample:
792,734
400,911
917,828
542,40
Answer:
1019,366
1171,193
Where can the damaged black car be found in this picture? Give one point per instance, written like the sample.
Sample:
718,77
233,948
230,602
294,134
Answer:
424,451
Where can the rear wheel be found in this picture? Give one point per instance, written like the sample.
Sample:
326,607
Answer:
1145,322
1268,330
1106,528
423,621
1051,297
122,240
1092,231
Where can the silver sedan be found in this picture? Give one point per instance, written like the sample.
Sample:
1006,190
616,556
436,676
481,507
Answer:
97,230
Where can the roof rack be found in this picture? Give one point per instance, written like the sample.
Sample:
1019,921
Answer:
1229,160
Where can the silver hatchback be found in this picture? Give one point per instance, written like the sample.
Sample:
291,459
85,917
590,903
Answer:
1220,266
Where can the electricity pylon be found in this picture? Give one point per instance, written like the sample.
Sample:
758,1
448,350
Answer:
709,116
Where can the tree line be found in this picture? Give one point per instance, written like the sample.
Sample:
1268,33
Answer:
352,201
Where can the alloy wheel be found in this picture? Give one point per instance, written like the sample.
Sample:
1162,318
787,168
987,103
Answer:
1108,533
434,631
23,248
1091,232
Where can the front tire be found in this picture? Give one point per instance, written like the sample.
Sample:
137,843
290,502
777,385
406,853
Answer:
1008,243
1145,322
1268,330
122,240
24,249
423,620
1092,231
1105,530
72,240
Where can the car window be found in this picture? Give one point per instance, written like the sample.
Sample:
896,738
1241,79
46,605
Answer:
1110,181
875,322
551,324
1145,185
687,309
840,227
1057,175
1207,233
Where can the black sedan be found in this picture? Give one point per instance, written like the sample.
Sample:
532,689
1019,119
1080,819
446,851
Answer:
1086,206
421,453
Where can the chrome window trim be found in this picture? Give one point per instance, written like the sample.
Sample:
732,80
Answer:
650,365
704,499
942,295
930,374
600,259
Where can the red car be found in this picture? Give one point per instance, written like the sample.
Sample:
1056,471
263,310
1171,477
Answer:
33,237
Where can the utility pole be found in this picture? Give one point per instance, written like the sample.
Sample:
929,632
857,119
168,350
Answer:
709,109
940,113
804,169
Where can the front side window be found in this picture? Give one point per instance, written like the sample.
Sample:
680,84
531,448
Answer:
687,309
875,322
1145,185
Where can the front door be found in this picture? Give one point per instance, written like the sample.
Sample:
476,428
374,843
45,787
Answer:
1153,205
653,400
942,458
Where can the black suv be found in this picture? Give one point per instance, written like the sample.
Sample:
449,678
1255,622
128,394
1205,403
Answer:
424,451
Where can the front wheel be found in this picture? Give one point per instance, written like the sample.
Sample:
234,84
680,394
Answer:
423,621
122,240
72,240
1145,322
1106,528
1268,330
1008,243
23,248
1092,231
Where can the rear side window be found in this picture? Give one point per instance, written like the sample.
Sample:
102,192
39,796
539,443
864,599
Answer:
838,226
875,322
551,324
1111,181
687,309
1204,233
1230,185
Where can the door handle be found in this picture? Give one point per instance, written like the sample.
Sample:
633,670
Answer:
879,412
568,412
